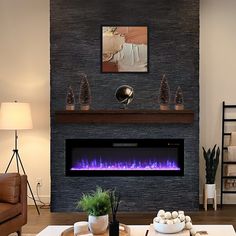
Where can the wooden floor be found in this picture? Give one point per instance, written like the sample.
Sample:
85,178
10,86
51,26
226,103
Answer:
226,215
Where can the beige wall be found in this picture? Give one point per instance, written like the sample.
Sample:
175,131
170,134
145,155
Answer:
24,75
217,71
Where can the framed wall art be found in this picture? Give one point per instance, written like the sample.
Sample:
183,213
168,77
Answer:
124,49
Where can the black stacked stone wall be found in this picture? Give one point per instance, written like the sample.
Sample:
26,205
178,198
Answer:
173,50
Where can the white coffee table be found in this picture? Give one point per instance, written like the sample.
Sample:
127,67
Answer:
139,230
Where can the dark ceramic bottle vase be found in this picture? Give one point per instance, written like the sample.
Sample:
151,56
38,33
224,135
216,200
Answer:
114,228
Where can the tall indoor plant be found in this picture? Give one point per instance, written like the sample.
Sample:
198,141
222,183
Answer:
212,161
97,205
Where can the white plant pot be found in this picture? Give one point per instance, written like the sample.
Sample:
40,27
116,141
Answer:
98,224
210,190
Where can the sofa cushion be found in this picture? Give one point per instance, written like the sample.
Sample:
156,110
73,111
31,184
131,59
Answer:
9,211
10,188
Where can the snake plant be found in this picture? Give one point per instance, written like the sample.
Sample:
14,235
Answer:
212,160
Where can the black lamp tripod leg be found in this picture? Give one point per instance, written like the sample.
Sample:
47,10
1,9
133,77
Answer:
17,162
33,197
10,161
18,158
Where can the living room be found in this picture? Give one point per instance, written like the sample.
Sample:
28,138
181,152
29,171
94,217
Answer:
48,46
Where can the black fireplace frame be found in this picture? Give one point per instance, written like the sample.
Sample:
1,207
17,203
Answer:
75,143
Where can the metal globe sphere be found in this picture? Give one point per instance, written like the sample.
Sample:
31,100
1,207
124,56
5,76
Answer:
124,94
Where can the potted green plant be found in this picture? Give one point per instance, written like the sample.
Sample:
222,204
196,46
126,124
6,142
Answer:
212,161
97,205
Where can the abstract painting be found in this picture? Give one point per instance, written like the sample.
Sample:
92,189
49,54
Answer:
124,49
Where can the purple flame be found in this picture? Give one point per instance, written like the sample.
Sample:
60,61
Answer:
96,164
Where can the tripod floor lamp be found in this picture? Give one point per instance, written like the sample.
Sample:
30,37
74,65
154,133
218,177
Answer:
16,116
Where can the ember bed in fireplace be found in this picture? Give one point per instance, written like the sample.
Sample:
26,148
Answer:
124,157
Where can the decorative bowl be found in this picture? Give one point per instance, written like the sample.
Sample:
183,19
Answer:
168,228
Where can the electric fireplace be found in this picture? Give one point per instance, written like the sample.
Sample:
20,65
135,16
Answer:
124,157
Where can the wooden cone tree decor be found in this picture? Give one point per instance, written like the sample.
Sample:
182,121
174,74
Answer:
84,93
164,94
179,99
70,100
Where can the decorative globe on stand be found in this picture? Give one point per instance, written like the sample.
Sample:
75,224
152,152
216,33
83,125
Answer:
124,94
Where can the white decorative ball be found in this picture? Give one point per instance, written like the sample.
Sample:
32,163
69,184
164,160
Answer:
157,219
176,221
162,221
181,217
167,215
169,222
181,212
174,214
161,213
187,218
193,231
188,225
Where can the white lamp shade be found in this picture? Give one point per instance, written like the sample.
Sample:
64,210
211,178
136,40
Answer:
15,116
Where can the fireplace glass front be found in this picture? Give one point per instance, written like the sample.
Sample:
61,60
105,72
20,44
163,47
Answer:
124,157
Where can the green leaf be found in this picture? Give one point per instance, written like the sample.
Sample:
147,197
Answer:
96,203
211,160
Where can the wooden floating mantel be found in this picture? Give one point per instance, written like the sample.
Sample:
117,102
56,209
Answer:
125,116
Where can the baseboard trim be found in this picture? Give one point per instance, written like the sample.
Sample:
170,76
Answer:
228,199
44,198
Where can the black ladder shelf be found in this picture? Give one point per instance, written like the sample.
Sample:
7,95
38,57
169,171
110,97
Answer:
223,147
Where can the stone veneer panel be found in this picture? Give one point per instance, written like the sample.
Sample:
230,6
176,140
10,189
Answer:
173,50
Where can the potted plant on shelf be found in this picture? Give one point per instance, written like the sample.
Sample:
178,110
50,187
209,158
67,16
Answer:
212,160
97,205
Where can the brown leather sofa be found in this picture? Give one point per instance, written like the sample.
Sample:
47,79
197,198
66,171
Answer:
13,203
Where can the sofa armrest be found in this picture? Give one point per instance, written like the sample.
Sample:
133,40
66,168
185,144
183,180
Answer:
10,188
